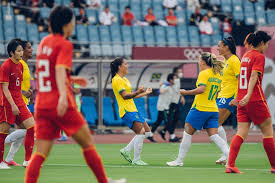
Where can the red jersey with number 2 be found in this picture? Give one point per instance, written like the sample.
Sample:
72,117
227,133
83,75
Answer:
11,73
53,51
251,61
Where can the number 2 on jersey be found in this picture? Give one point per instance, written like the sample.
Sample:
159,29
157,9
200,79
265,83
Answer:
44,86
213,91
243,79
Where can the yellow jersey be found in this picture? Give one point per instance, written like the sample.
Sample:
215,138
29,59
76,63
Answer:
26,83
119,84
206,101
230,74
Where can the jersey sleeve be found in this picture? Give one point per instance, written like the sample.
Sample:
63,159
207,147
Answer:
258,64
236,66
65,56
202,79
119,85
4,73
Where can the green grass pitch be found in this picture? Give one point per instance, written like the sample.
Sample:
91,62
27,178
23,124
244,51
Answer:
66,165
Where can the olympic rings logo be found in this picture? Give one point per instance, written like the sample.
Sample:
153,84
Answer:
193,53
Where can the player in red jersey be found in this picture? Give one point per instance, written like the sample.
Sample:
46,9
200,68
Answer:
55,106
12,106
252,105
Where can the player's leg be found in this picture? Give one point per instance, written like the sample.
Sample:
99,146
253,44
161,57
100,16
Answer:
43,149
268,141
4,131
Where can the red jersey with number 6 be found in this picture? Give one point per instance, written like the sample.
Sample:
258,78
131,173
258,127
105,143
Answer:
11,73
251,61
54,51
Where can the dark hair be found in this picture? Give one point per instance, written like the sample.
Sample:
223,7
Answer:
170,76
127,7
115,64
212,61
12,46
175,70
60,16
257,37
230,42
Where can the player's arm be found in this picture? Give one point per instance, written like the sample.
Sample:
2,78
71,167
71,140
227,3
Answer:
27,94
196,91
79,80
6,91
147,92
252,82
126,96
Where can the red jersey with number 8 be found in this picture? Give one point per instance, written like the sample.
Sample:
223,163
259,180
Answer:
11,73
53,51
251,61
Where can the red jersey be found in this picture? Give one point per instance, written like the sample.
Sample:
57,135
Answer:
53,51
11,73
171,17
150,17
127,18
251,61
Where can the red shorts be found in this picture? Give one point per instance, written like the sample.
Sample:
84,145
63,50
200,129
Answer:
6,115
256,112
48,125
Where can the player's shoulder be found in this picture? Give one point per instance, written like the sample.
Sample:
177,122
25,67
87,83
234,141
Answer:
7,63
56,40
116,79
233,59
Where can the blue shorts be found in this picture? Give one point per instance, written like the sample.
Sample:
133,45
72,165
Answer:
224,103
31,107
202,119
130,117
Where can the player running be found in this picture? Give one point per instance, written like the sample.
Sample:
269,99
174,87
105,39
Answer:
252,105
204,112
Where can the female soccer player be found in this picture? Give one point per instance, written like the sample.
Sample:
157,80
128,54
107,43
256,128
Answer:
55,105
12,106
252,105
128,111
204,112
229,87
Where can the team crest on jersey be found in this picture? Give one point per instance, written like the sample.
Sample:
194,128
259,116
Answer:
246,59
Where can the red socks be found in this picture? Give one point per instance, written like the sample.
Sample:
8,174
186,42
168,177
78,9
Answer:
2,145
33,169
94,162
234,150
269,148
29,142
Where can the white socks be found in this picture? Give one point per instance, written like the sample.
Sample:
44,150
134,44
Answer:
130,146
222,133
223,146
172,136
17,134
138,146
148,134
184,146
13,149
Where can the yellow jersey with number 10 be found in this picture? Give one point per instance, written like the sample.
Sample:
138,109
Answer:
206,101
230,74
26,83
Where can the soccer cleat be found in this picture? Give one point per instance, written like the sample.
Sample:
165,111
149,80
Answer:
273,170
174,163
222,160
62,138
162,134
126,155
3,165
139,162
25,163
151,139
123,180
176,139
232,170
12,163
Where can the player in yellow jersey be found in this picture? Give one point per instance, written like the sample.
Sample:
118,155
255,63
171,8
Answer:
229,87
204,112
16,138
128,111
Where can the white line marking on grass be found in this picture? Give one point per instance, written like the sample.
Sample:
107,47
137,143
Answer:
156,167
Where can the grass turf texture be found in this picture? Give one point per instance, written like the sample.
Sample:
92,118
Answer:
66,164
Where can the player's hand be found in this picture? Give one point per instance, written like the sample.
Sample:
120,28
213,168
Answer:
62,106
15,110
79,80
141,89
244,100
29,93
233,102
148,91
182,91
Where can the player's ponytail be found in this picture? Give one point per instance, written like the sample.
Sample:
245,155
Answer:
212,61
115,64
257,37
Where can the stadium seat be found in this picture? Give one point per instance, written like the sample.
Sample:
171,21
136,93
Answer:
34,47
21,32
67,3
136,10
123,4
2,49
32,32
215,38
145,5
108,113
106,50
20,20
171,36
194,35
42,35
238,14
93,34
181,16
117,112
215,2
88,109
270,16
215,23
45,12
58,2
1,34
118,50
149,36
81,33
138,36
237,2
126,34
249,19
182,36
113,5
261,18
8,20
115,34
128,50
95,50
91,15
205,40
152,108
9,32
160,35
104,34
7,10
140,104
226,6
